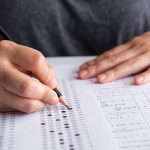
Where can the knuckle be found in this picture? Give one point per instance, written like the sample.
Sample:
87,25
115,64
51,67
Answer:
131,63
114,73
45,76
92,69
90,62
146,44
26,88
29,107
49,75
113,59
38,59
136,39
44,95
108,53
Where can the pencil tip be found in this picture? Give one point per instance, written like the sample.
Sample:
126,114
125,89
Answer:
68,107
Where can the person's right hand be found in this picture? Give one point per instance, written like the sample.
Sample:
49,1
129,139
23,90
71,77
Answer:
18,91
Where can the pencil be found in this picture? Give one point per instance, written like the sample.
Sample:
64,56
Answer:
4,35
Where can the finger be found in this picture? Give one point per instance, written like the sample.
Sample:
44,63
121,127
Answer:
31,60
58,86
34,76
4,108
114,51
19,103
23,85
129,67
29,73
107,54
143,78
110,62
89,63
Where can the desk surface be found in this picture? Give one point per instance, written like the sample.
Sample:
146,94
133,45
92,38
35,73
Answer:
69,59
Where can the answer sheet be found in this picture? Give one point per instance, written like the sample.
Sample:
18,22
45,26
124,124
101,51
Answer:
57,128
126,107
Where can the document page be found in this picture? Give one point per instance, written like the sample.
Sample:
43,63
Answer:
57,128
126,107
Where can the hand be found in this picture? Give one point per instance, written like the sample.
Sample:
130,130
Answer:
129,58
18,91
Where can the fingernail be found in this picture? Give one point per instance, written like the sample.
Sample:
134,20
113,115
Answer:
83,73
53,84
103,76
58,87
53,101
140,78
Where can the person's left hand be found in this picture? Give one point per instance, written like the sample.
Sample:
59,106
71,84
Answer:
129,58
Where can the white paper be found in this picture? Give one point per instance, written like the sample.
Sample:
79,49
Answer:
56,128
126,107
